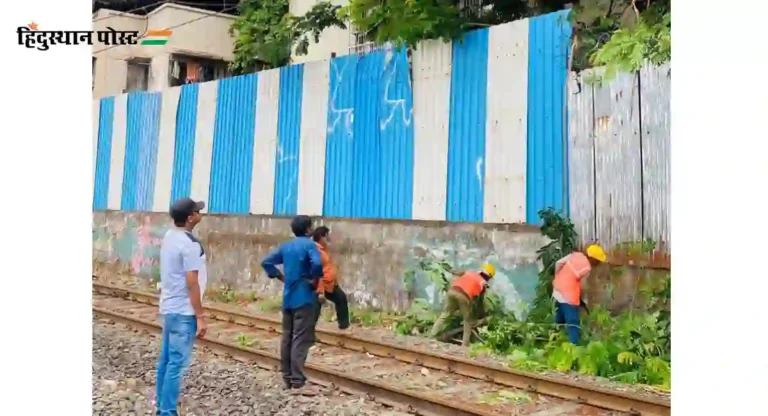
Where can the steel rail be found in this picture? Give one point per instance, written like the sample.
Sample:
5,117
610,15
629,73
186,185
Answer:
536,383
419,403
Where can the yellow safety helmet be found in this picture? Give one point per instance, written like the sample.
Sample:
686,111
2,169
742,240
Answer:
596,252
489,269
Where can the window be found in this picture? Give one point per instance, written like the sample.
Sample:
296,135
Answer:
358,44
189,70
138,75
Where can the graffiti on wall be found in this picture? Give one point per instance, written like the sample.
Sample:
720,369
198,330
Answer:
135,245
516,273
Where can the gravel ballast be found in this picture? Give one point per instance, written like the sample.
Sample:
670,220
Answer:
124,381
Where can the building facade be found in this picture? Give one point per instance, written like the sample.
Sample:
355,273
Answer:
199,49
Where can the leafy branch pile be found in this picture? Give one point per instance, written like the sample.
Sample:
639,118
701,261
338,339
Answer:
632,347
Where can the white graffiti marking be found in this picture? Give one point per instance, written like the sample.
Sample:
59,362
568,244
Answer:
394,104
348,114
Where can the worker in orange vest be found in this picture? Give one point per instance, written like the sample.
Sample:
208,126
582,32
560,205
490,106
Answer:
468,287
566,287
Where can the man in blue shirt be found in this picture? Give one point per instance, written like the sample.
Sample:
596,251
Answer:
302,268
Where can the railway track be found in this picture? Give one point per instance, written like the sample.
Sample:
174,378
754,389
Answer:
521,393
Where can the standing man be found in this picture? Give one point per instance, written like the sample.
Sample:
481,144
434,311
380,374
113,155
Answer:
566,287
302,268
328,287
467,288
183,276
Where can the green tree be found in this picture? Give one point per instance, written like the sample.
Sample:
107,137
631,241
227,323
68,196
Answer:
618,34
621,34
265,33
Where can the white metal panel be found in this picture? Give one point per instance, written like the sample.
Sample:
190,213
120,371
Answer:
617,161
95,109
581,161
506,125
117,156
314,123
265,142
655,89
431,107
165,149
206,123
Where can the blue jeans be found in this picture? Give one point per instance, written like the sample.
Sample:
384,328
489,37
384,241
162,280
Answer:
569,315
176,351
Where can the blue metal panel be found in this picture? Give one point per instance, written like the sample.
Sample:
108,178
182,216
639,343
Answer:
184,151
395,129
337,199
466,129
103,153
366,184
288,133
232,160
141,139
547,170
369,150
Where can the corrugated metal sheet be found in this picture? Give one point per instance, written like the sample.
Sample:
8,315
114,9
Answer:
141,139
117,157
549,46
581,161
95,105
617,161
466,134
265,142
184,149
288,135
431,107
232,160
366,156
103,153
506,123
165,149
395,137
337,200
314,126
655,125
204,132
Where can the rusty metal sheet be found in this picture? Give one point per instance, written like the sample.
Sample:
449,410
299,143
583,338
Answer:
581,155
655,90
618,170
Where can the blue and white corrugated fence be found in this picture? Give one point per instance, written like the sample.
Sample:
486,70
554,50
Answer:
473,130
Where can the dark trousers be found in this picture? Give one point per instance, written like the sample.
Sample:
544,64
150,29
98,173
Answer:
339,299
298,336
569,315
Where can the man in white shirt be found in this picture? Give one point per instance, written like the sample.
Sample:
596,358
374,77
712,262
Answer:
183,276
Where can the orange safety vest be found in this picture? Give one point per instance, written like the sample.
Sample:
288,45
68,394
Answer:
568,280
328,281
471,283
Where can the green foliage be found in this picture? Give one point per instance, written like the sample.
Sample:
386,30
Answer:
265,33
404,22
621,35
561,232
631,347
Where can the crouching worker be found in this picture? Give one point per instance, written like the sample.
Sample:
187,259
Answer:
302,268
469,287
566,287
328,288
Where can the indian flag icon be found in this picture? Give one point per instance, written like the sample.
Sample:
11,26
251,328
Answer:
156,37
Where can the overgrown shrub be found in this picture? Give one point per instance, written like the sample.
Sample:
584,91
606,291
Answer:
632,347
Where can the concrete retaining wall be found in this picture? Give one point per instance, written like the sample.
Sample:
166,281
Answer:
373,255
